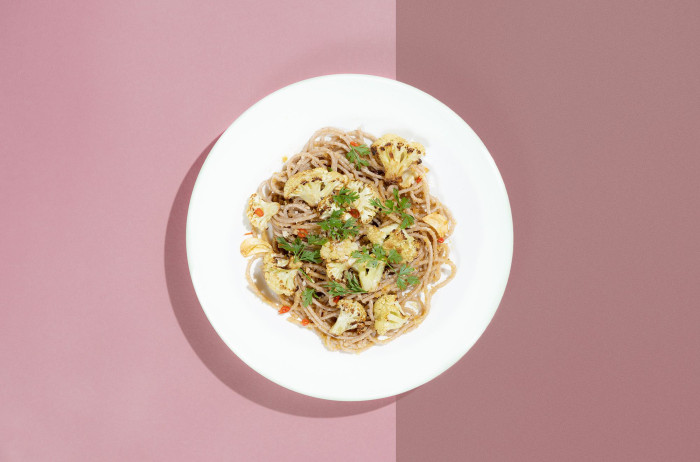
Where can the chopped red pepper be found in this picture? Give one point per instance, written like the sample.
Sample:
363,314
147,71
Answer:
302,233
441,240
354,213
418,179
248,234
284,309
259,212
354,143
335,299
305,322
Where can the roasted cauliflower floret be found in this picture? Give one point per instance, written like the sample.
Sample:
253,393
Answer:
362,204
327,206
338,251
254,246
313,185
369,276
379,235
336,270
351,312
260,212
387,314
439,223
280,280
396,155
403,243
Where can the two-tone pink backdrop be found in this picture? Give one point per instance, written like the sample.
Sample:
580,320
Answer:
590,110
106,107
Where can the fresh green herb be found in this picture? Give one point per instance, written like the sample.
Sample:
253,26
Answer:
396,206
337,228
353,284
393,257
306,276
372,257
308,296
405,278
299,250
356,154
313,239
313,256
336,289
295,247
345,197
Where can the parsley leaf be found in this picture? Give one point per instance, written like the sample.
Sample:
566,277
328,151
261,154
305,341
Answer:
313,256
295,247
299,250
308,296
345,197
303,273
393,257
316,240
336,289
396,206
355,155
372,257
353,284
405,278
338,229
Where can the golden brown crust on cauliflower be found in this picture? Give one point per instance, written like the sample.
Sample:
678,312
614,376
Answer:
396,155
403,243
268,209
280,280
387,314
313,185
351,312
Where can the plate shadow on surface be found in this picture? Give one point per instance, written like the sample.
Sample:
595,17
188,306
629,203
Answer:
207,344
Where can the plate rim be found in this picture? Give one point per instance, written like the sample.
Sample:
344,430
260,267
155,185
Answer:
502,279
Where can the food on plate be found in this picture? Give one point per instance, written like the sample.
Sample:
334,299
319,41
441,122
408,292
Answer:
352,243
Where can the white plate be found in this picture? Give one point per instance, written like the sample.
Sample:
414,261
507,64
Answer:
462,174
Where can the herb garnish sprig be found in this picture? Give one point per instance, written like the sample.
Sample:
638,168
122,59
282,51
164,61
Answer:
336,289
397,206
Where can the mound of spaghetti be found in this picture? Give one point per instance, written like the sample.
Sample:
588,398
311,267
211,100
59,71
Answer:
351,241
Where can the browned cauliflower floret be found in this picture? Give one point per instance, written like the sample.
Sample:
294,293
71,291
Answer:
387,314
313,185
327,206
336,270
338,250
396,155
260,212
366,194
337,255
403,243
439,223
351,312
379,235
280,280
370,276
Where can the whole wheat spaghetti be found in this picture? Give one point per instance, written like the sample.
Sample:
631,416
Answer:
352,244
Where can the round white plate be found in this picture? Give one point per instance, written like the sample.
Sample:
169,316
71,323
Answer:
462,174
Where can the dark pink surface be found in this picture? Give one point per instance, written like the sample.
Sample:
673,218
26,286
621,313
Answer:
108,109
591,111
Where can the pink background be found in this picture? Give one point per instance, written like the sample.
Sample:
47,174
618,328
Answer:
108,112
591,110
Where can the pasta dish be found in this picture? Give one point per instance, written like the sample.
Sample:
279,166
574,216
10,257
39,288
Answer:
352,243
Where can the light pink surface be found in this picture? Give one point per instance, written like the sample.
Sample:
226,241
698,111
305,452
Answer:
107,114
